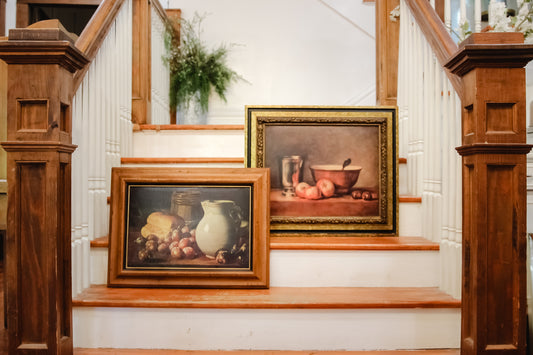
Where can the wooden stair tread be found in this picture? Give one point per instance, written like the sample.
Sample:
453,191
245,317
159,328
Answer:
175,127
80,351
326,243
188,160
273,298
352,243
193,160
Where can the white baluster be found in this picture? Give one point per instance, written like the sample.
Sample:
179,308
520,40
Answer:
477,15
445,158
432,131
448,14
462,12
91,159
99,107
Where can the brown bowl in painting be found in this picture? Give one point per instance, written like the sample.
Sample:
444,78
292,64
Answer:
343,179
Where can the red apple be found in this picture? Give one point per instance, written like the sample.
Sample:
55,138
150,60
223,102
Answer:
326,187
313,193
300,189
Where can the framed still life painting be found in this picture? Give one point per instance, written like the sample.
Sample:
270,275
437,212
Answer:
333,169
196,227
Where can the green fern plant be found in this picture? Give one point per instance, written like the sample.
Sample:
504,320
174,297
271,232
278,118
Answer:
195,70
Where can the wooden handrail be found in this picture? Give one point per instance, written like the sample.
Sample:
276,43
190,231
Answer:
159,9
437,36
95,32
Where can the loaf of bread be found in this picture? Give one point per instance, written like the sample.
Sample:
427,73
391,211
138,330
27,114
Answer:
161,224
165,221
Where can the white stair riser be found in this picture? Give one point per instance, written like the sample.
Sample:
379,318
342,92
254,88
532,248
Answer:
266,329
410,223
188,143
322,268
342,268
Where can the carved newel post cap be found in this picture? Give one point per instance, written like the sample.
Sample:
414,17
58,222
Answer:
45,42
491,50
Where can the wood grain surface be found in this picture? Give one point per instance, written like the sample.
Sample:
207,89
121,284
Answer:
275,297
493,151
262,352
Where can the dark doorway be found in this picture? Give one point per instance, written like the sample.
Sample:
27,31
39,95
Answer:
73,17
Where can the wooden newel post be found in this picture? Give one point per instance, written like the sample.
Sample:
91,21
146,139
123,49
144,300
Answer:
494,192
39,146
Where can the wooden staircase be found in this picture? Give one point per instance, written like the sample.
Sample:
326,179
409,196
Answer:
356,294
375,292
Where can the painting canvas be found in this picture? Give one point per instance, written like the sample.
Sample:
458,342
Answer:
189,227
333,169
163,222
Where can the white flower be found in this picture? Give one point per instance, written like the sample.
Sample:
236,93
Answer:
498,14
395,14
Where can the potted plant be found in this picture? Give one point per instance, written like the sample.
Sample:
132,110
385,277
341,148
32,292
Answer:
195,70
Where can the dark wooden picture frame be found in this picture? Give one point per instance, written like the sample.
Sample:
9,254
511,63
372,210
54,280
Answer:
195,227
355,147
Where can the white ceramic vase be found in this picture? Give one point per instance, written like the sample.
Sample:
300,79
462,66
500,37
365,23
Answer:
219,227
191,114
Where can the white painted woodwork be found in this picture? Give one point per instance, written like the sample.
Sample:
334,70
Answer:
102,130
296,52
430,121
11,15
266,329
189,143
340,268
159,72
333,268
477,16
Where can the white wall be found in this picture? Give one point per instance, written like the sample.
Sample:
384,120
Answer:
11,15
291,52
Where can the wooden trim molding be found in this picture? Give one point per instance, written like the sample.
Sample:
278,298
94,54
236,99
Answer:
387,44
410,199
503,56
61,2
102,242
23,15
2,18
304,242
49,52
273,298
159,9
237,160
437,36
174,127
487,148
141,63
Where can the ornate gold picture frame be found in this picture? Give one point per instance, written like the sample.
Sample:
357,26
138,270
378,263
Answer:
195,227
333,169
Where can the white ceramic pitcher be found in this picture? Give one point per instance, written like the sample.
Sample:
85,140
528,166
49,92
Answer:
219,227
